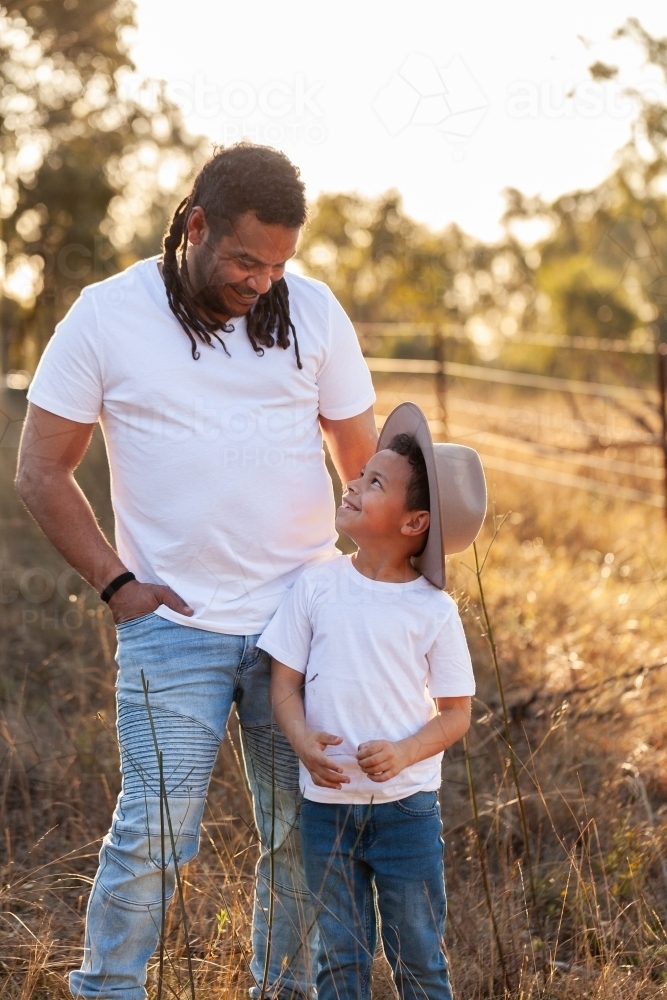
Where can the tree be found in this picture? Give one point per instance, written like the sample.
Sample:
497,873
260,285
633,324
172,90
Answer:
90,160
599,271
603,265
386,268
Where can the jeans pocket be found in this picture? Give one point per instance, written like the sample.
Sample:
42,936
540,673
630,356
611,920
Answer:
420,804
134,621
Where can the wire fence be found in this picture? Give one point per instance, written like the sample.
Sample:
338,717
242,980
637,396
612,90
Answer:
503,434
638,427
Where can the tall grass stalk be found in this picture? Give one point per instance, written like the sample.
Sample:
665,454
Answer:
481,854
272,849
592,636
165,799
163,866
488,628
323,902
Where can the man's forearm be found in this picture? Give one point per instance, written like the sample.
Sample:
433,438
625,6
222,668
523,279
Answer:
51,449
62,511
351,443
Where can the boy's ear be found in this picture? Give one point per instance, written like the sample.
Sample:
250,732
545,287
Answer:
417,523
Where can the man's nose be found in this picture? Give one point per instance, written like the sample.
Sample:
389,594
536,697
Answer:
261,283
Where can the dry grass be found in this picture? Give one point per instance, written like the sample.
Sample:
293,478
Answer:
581,640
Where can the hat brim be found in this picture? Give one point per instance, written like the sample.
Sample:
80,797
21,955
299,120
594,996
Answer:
407,418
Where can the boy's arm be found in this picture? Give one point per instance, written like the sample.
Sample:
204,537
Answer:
382,759
288,711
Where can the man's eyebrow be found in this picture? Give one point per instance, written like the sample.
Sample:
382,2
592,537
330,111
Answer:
248,256
242,255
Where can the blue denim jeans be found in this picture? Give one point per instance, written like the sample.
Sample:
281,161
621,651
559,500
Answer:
194,677
397,848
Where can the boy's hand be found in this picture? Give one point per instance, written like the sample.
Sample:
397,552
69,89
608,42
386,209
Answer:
322,769
382,759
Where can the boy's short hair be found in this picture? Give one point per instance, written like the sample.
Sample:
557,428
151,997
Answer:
417,494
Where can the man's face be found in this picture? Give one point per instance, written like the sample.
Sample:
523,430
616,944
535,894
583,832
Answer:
228,275
373,507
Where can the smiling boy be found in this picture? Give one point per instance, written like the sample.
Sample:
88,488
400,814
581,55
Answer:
371,682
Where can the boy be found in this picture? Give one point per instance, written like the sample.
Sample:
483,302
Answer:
376,650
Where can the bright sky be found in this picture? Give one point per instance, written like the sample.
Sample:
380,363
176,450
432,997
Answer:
447,102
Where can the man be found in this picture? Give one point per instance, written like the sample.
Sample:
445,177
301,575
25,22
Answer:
213,375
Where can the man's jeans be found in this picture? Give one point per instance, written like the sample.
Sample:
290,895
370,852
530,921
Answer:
193,676
396,846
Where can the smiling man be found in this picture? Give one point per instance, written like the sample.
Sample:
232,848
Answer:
214,376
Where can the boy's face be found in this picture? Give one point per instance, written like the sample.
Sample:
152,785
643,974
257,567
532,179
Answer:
373,507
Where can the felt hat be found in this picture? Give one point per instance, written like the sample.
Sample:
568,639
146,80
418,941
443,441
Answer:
457,490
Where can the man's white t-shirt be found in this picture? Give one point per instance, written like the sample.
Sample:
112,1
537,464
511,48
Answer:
218,478
374,655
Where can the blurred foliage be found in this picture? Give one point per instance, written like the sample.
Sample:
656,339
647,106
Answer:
384,267
599,269
90,160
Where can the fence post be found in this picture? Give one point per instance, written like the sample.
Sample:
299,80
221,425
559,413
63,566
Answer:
441,376
661,355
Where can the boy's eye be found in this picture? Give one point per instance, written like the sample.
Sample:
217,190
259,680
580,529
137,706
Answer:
375,480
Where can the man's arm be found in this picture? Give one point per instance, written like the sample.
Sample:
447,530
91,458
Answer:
382,759
51,449
350,442
288,711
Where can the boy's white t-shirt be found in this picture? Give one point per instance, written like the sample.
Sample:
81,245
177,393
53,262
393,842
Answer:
218,478
374,655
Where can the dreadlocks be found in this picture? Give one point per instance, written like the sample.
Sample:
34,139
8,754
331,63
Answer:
239,179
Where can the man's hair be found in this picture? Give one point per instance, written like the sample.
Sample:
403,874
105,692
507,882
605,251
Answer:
417,494
237,179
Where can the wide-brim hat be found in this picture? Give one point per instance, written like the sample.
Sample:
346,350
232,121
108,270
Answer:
457,490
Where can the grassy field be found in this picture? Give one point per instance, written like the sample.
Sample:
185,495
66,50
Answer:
554,815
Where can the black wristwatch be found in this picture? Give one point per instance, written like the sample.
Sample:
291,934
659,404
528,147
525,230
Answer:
115,585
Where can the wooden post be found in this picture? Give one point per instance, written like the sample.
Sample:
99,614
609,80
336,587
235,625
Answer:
661,355
441,376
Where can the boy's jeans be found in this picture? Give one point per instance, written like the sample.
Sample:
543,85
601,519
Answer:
396,846
194,677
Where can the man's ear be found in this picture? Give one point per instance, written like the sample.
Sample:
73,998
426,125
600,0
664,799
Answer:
417,523
197,226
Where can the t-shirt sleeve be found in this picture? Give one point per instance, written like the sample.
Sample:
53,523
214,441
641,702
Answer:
450,667
288,635
68,380
344,381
